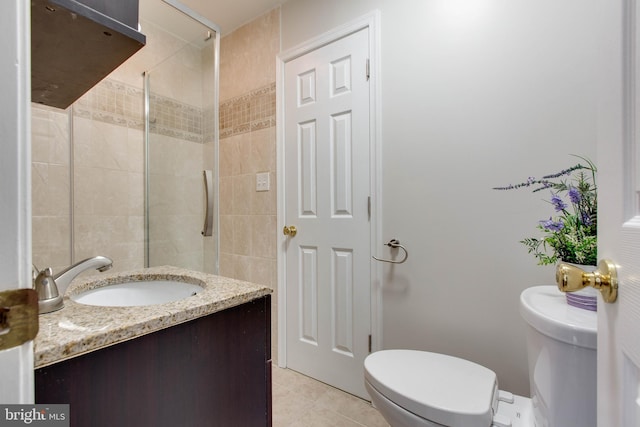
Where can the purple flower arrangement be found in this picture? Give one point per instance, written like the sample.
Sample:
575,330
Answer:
570,235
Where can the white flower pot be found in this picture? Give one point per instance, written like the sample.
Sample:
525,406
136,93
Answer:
586,298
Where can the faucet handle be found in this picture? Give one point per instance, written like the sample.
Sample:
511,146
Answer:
45,285
49,298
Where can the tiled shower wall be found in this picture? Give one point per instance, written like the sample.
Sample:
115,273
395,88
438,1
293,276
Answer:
107,190
181,147
50,186
108,176
106,187
248,146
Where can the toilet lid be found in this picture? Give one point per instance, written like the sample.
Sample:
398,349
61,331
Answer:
440,388
545,308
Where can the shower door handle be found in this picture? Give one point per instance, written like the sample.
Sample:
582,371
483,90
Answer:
208,203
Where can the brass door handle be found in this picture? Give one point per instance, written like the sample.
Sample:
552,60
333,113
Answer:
289,230
604,279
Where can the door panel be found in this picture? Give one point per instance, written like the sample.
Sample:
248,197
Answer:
308,291
629,314
619,214
327,170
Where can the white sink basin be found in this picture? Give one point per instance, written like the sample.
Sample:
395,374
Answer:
130,294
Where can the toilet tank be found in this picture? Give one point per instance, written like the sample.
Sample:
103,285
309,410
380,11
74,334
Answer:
562,351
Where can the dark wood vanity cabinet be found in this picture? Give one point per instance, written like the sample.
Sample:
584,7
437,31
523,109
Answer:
211,371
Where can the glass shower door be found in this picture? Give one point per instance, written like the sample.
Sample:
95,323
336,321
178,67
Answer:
181,151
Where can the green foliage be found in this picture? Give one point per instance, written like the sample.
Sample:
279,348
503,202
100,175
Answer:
570,235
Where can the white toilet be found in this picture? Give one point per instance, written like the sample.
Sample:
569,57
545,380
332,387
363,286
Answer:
414,388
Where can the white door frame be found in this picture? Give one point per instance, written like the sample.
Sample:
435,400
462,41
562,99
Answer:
372,22
16,364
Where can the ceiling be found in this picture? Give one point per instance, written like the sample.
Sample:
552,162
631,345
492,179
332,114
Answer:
231,14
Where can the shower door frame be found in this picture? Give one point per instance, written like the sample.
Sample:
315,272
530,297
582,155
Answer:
180,7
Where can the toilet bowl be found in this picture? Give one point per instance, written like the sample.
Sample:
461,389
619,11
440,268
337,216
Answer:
418,388
414,388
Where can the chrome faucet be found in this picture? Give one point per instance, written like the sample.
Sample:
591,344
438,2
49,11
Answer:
51,288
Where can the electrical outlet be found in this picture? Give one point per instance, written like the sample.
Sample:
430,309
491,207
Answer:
262,181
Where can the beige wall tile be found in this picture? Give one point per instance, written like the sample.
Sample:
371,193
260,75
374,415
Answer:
135,193
112,195
263,150
57,196
39,188
51,242
242,163
261,271
49,135
247,55
50,176
247,146
263,236
227,267
242,266
243,186
135,150
226,234
242,232
228,155
226,195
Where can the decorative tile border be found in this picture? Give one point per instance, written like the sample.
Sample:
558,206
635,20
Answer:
250,112
112,102
172,118
122,105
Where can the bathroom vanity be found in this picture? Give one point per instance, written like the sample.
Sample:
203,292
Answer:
201,361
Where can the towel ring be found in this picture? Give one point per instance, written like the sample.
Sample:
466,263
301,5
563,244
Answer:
394,243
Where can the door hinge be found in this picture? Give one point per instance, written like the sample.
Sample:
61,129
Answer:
369,343
368,70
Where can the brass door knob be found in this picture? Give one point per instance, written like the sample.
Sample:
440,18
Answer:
289,230
604,279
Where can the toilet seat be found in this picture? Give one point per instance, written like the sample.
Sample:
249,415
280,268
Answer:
437,387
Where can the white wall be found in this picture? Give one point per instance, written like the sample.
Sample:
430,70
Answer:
475,93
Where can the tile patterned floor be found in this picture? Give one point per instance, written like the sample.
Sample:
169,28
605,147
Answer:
299,401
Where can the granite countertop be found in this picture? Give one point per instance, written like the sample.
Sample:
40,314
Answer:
77,328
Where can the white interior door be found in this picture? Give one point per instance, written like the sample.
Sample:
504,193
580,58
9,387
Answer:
619,214
327,190
16,364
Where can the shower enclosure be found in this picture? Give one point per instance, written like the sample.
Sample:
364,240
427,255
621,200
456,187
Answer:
181,143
